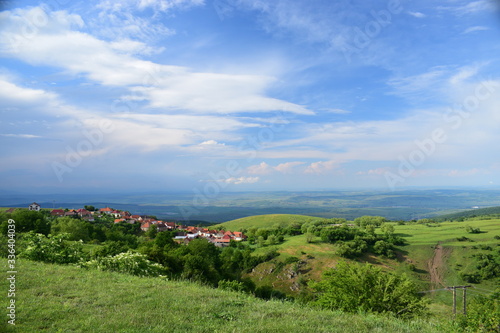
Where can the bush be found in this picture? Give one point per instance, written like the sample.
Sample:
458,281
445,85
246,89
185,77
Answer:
353,287
51,249
128,262
472,230
384,248
233,285
483,315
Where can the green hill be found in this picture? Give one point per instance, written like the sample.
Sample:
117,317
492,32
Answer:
495,211
53,298
447,247
265,221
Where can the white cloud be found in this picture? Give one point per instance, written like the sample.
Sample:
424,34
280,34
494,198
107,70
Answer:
260,169
287,167
211,143
21,136
423,82
240,180
417,14
15,96
114,64
337,111
322,167
475,28
470,7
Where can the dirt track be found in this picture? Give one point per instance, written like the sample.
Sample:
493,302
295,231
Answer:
436,265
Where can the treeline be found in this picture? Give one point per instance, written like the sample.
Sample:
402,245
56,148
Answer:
124,247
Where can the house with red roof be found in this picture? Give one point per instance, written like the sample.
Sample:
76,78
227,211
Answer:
57,212
106,210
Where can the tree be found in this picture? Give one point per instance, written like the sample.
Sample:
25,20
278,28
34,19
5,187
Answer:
76,229
384,248
30,220
387,229
89,208
353,287
152,231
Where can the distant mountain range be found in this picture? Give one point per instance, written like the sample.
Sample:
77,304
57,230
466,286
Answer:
395,205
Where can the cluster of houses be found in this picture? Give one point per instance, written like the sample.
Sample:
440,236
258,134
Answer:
219,238
184,234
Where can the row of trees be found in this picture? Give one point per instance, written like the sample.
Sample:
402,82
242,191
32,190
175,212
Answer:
126,248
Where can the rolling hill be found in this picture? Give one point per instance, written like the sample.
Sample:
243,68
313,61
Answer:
265,221
54,298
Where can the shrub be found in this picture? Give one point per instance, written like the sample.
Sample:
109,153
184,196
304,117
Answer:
233,285
483,315
128,262
51,249
472,230
354,287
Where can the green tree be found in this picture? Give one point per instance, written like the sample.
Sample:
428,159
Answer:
76,229
387,229
353,287
152,231
29,220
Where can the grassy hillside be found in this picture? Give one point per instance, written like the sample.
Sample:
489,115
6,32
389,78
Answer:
470,213
434,257
263,221
52,298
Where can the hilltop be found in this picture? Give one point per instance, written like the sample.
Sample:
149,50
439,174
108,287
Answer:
435,254
266,221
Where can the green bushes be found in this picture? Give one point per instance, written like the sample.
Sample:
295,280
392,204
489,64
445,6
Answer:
362,287
472,230
483,314
51,249
128,262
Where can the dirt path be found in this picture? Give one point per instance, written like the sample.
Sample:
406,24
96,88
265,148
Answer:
436,265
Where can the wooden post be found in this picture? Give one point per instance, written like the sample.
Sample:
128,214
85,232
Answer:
465,300
454,302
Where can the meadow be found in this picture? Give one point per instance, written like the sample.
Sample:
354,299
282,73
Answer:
56,298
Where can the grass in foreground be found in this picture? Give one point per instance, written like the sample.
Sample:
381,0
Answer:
52,298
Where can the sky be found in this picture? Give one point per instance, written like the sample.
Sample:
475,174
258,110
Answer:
245,95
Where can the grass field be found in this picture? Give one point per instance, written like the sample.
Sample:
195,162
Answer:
265,221
52,298
422,240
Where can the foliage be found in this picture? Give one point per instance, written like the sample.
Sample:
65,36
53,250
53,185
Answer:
384,248
483,314
352,248
373,220
233,285
128,262
76,229
472,230
354,287
51,249
267,292
28,220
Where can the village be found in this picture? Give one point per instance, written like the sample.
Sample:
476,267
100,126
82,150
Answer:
183,234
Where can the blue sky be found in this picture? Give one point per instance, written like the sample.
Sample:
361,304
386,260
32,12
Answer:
208,96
